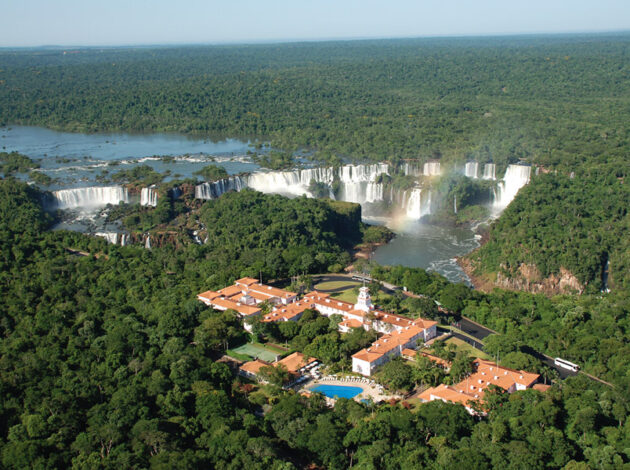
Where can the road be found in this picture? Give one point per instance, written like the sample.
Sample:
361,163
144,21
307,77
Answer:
473,328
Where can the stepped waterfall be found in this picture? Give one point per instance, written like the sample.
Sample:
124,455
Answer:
216,189
358,184
149,196
90,197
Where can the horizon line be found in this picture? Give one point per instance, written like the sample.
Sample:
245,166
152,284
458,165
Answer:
253,42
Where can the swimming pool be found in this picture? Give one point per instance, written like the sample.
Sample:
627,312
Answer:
337,391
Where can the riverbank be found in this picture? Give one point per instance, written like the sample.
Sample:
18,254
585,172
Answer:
478,283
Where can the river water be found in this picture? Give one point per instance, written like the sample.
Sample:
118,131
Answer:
76,160
430,247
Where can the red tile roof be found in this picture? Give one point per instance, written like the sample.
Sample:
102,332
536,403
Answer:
253,367
295,361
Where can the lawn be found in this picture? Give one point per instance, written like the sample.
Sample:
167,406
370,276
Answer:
256,351
464,346
350,296
346,295
337,285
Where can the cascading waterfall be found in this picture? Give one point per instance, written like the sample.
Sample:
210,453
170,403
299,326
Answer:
489,171
111,237
149,196
357,181
415,205
471,170
90,197
357,184
216,189
432,169
147,242
516,176
361,193
283,182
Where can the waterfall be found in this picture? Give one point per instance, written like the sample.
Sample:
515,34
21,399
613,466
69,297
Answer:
414,205
111,237
91,197
361,193
455,203
216,189
283,182
605,274
412,169
432,169
357,181
489,171
149,196
147,242
123,239
361,173
516,176
471,170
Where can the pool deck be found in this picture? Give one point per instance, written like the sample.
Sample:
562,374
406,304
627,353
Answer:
371,390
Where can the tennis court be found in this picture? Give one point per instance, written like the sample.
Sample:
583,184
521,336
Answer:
256,350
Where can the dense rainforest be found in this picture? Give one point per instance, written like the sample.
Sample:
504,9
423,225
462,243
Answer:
579,223
107,360
558,102
551,100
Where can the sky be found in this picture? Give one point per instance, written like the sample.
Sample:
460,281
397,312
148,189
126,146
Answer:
145,22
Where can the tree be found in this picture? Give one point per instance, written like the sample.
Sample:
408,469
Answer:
397,375
275,374
462,366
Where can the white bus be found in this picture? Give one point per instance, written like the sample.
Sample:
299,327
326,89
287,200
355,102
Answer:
566,364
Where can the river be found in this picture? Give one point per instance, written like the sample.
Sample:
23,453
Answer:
77,160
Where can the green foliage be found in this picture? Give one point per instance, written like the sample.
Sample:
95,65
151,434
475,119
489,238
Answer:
138,174
212,173
560,222
275,160
15,162
40,178
108,361
249,233
276,375
318,189
487,99
397,375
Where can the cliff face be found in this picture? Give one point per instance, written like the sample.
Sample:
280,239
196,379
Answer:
527,278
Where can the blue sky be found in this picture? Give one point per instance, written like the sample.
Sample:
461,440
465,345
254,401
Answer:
126,22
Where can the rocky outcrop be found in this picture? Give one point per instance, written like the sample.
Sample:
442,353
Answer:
527,278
